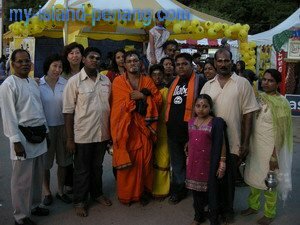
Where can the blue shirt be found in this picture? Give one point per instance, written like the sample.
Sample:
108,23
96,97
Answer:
52,101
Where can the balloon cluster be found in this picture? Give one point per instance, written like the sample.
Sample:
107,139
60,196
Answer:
208,29
247,51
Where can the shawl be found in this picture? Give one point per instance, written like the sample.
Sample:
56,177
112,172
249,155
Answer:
283,136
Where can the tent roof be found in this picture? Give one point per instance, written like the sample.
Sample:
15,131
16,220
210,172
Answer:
265,38
154,5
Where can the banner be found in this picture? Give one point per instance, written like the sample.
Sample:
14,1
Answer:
281,67
294,101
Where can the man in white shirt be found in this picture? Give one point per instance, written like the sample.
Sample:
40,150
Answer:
22,108
235,102
86,108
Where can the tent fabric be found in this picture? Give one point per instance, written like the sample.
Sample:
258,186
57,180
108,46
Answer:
265,38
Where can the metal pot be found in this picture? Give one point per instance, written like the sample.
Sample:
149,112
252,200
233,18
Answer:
271,180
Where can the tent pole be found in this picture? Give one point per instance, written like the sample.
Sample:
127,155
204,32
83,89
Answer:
65,29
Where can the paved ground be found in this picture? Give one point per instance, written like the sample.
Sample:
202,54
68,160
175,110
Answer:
156,213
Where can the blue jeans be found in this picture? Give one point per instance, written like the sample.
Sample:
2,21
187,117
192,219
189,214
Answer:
88,160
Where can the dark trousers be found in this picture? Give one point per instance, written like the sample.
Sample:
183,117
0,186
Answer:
200,201
88,160
178,163
228,185
69,175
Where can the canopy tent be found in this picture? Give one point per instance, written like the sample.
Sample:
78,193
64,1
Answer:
266,38
118,31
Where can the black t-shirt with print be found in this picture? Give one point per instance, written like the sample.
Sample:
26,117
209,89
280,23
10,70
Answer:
176,126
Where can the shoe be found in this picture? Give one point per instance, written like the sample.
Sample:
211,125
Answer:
65,198
38,211
174,199
48,200
265,220
26,221
145,199
228,218
248,212
68,190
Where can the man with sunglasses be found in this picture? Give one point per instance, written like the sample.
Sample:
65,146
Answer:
86,109
21,108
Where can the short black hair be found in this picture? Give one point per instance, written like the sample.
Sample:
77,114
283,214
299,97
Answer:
130,53
160,13
15,52
91,49
275,74
196,55
156,67
170,42
185,55
67,49
221,50
50,59
167,58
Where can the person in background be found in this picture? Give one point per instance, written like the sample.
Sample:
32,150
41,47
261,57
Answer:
135,105
86,108
240,67
170,47
158,35
209,69
161,156
51,87
117,67
199,68
206,159
235,102
2,69
271,149
22,109
250,76
169,70
196,57
72,61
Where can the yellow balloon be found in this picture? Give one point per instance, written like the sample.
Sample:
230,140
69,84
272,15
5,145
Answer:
138,24
246,27
224,26
217,27
199,30
208,24
195,23
243,34
185,23
251,52
211,33
190,29
168,23
177,28
228,33
252,44
58,6
246,56
88,8
244,46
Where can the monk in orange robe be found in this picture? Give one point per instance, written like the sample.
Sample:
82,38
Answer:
134,112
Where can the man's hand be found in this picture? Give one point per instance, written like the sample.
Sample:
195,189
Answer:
136,95
71,148
19,150
244,151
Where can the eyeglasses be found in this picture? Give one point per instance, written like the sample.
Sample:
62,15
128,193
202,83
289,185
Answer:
25,61
132,61
92,57
223,61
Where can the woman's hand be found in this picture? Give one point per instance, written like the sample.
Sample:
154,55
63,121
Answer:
221,170
136,95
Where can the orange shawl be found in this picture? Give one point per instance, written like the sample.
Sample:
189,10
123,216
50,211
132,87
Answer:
193,87
123,114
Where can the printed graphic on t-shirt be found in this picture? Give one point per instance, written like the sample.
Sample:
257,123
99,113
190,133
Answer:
179,93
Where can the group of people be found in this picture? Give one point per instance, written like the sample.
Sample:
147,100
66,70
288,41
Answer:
171,130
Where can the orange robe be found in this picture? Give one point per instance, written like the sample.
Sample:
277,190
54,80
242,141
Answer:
133,136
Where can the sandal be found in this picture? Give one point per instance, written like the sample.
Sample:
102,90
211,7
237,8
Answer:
103,200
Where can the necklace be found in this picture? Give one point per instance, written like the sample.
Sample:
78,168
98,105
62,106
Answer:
199,124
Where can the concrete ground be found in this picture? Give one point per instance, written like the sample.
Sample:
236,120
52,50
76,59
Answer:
156,213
